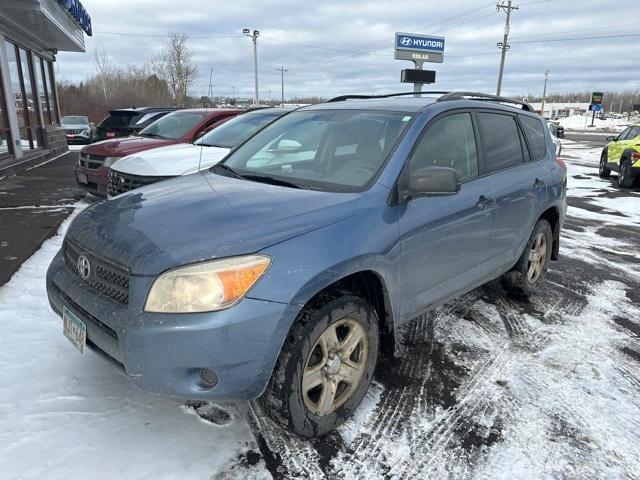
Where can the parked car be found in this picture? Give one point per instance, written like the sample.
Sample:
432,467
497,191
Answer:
78,128
151,166
127,121
555,139
558,130
278,272
622,155
183,126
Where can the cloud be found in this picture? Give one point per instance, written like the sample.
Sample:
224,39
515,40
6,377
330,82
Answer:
332,47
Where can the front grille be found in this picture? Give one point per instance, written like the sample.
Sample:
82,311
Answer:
75,131
123,182
105,277
91,161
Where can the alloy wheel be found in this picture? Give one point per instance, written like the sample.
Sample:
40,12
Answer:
537,257
335,366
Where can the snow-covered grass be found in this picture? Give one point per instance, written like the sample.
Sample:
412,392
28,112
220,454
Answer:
583,122
64,415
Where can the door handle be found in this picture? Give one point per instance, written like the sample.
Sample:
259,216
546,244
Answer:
538,184
484,202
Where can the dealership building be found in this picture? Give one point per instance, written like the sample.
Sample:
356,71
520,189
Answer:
32,32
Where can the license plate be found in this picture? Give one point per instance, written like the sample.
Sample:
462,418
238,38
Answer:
74,329
111,134
82,178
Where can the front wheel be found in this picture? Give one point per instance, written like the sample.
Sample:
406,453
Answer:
527,274
325,366
604,171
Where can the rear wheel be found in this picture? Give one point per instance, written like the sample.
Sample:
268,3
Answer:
325,366
604,171
527,275
625,179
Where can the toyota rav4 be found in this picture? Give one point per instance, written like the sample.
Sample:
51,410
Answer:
280,272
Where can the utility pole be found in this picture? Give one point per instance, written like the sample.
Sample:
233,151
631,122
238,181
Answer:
504,45
282,71
544,91
210,87
254,38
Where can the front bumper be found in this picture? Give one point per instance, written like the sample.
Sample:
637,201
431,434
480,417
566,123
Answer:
97,179
164,353
78,138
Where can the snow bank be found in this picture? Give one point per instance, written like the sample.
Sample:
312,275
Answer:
580,122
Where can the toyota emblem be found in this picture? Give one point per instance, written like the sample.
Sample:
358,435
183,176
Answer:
406,41
84,267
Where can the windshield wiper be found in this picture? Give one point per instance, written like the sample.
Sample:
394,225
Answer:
271,180
211,145
153,135
226,169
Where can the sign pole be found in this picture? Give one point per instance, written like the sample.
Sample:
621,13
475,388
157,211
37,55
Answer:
417,87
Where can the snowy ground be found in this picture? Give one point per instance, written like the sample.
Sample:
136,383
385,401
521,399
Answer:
487,387
583,122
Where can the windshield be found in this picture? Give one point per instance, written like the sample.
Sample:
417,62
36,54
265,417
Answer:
232,133
74,120
333,150
173,126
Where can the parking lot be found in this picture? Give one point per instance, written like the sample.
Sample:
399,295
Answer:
488,386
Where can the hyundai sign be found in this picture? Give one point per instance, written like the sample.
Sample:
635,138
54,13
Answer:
79,14
419,43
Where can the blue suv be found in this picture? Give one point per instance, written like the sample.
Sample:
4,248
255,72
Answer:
280,272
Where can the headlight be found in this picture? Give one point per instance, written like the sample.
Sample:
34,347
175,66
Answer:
108,161
206,286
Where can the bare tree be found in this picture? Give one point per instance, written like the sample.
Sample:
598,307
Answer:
175,66
105,72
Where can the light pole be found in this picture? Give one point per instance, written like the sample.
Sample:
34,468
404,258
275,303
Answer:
254,38
282,71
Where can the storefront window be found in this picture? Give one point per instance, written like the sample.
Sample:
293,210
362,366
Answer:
45,105
18,95
5,134
51,88
31,105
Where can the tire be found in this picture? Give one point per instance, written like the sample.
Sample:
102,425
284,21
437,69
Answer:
519,280
603,170
303,357
625,179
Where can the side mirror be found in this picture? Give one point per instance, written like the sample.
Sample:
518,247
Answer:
433,181
611,138
287,146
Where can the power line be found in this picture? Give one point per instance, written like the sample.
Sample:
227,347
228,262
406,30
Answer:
578,38
157,35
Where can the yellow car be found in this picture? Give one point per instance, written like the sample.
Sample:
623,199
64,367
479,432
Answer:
622,155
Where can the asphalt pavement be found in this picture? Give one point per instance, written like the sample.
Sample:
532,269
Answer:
33,204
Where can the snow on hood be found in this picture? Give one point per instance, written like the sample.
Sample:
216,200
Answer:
171,160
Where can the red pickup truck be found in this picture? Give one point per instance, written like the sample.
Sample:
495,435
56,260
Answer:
182,126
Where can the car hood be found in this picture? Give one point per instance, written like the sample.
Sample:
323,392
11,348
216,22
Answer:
200,217
120,147
172,160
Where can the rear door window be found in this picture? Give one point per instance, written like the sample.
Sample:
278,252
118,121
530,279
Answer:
501,137
449,142
534,131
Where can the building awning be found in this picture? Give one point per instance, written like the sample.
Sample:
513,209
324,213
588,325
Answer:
46,23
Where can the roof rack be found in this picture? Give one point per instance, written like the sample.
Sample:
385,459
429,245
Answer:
445,95
484,97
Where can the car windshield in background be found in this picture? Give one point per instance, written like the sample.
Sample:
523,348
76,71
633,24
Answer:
127,119
173,126
321,150
232,133
74,121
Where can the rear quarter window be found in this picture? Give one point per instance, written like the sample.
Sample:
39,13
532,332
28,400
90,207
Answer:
534,131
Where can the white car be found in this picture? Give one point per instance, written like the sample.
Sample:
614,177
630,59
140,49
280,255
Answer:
556,140
150,166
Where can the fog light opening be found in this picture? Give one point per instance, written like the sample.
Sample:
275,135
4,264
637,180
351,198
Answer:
208,377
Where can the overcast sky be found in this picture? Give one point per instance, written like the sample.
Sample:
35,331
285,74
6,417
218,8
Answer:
347,47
